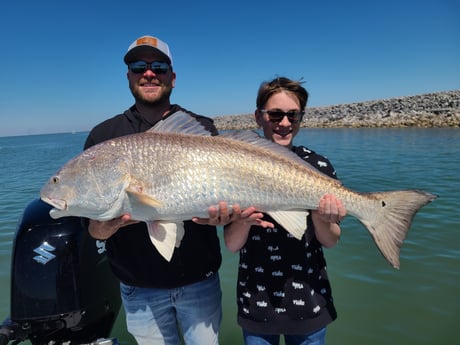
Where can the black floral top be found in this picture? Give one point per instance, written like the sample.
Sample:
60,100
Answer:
283,287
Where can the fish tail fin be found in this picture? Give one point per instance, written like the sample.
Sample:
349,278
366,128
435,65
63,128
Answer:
390,223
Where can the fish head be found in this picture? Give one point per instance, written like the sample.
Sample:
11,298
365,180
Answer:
91,185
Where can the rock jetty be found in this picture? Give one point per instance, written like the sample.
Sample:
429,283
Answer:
439,109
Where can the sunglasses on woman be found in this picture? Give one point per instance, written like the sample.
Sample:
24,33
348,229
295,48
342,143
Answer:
294,116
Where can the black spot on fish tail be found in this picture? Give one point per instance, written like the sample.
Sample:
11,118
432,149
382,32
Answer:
389,224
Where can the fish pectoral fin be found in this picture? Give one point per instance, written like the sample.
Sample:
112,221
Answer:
295,222
145,199
165,236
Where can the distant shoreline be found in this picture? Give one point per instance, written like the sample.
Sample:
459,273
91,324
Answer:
439,109
431,110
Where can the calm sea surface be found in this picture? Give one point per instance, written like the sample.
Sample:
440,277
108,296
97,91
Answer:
418,304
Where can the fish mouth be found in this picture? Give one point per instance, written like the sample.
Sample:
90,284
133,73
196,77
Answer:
59,204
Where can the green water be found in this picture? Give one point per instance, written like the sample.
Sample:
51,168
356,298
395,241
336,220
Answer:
377,304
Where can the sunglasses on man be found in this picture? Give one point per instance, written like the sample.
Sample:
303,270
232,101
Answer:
157,67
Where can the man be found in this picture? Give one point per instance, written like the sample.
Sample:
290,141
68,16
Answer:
160,297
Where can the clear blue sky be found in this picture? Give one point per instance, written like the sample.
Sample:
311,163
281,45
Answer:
62,69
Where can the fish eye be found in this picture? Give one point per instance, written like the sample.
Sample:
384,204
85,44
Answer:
55,179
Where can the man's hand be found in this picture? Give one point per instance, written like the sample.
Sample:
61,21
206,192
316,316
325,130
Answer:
102,230
221,215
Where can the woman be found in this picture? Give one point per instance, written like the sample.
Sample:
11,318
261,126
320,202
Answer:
283,288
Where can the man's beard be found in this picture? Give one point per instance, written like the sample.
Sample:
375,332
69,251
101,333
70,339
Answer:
162,97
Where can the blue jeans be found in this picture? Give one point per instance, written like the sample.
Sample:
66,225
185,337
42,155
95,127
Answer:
158,316
315,338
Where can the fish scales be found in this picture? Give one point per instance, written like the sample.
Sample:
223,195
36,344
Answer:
177,170
207,176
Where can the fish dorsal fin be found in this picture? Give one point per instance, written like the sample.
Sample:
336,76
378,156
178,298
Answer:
295,221
253,138
180,122
165,236
250,137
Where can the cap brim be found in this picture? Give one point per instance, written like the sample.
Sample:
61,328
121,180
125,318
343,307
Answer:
134,53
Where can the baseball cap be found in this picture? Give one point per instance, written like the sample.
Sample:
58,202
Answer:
147,44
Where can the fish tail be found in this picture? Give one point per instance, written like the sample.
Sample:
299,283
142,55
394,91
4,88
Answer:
392,218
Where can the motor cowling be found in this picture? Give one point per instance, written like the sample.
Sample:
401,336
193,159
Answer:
62,288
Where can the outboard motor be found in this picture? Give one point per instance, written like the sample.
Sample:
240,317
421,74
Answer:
62,288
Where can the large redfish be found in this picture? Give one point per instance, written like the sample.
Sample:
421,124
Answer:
177,170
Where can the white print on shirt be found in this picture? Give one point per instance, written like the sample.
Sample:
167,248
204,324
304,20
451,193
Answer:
297,286
297,267
323,291
259,269
275,257
278,294
322,164
310,270
255,238
244,265
262,304
246,310
298,302
272,249
100,245
247,294
305,150
280,310
316,309
260,287
277,274
242,283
